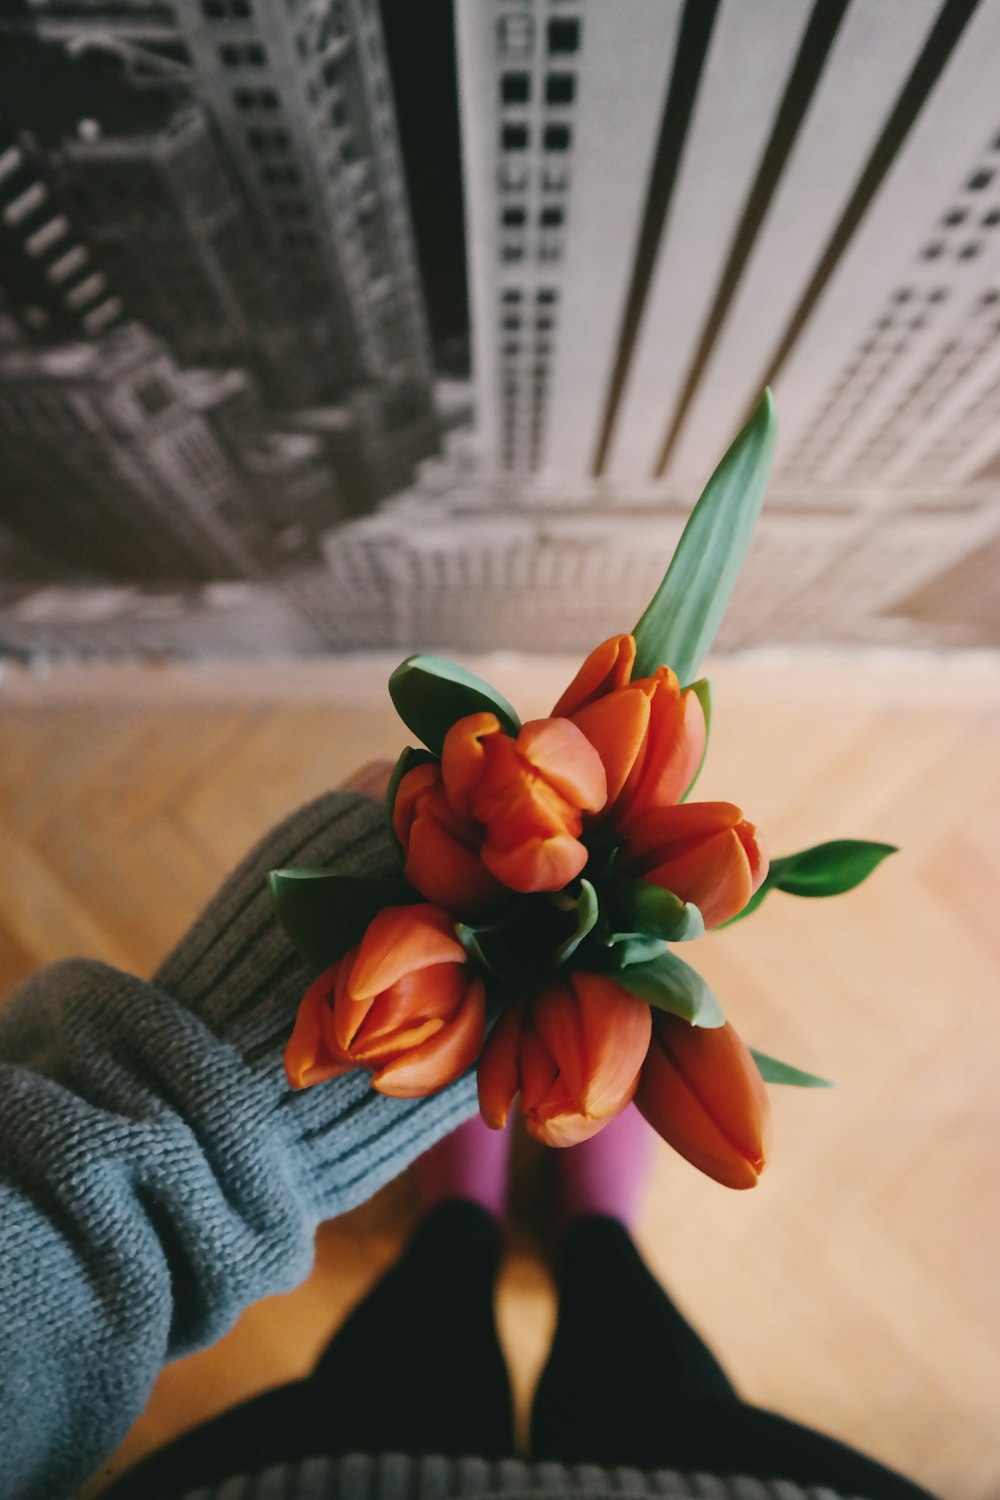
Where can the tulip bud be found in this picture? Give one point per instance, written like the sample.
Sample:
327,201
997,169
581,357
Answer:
404,1003
573,1053
528,793
701,1091
441,847
704,852
649,734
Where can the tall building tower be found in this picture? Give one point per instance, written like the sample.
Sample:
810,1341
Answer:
299,100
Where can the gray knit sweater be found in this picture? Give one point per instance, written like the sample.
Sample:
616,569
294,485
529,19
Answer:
157,1174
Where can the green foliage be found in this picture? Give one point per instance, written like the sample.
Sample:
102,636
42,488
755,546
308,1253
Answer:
773,1071
681,620
431,694
824,870
668,983
324,914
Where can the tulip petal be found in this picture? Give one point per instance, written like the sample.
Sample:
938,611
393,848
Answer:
702,1092
599,1034
399,940
463,757
497,1073
442,1059
563,755
308,1057
704,852
673,751
537,864
447,872
568,1128
616,727
608,667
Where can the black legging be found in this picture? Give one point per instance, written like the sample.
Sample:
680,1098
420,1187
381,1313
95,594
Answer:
416,1368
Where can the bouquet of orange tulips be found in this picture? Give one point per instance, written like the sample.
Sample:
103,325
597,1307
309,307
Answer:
549,870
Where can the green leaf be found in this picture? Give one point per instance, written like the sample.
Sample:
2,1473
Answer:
828,869
410,758
680,623
773,1071
324,914
635,948
702,690
584,911
824,870
431,694
668,983
642,907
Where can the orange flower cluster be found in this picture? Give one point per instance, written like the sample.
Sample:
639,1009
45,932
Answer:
501,813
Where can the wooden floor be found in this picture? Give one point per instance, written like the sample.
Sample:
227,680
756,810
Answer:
858,1288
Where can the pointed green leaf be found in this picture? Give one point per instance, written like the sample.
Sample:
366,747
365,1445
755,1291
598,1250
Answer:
680,623
324,914
773,1071
824,870
635,948
431,694
641,907
410,758
702,690
668,983
829,869
583,910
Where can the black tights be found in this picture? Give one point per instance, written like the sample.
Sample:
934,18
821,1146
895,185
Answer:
416,1368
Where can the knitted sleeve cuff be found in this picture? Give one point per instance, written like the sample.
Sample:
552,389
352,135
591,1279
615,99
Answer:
236,970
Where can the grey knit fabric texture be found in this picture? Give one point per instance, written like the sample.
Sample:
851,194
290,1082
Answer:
157,1174
395,1476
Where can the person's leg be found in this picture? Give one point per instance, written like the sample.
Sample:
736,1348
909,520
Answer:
415,1368
629,1381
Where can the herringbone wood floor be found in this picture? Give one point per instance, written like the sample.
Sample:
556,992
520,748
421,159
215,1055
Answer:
858,1287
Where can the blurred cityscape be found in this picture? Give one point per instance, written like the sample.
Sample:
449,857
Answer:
327,325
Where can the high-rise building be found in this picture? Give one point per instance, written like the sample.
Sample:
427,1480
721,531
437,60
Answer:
299,100
117,463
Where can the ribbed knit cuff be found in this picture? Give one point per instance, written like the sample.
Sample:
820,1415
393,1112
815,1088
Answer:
237,972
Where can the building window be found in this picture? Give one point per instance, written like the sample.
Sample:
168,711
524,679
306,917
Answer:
515,88
560,88
514,217
226,10
263,141
557,138
512,178
242,55
281,176
551,216
515,36
514,137
978,181
247,99
547,295
512,250
564,36
511,323
555,179
511,294
153,396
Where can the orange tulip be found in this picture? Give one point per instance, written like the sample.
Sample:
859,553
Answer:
573,1053
649,734
441,846
529,793
702,1092
705,852
607,668
403,1003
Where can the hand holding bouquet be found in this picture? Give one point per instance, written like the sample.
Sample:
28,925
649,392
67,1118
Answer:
548,870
